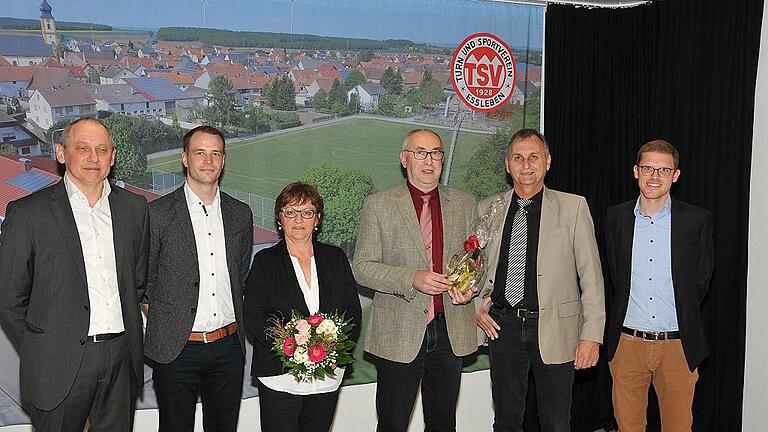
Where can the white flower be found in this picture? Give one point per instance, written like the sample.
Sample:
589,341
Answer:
301,356
327,327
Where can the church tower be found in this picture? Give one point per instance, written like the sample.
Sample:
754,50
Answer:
48,24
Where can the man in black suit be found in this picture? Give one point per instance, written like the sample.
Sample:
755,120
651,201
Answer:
660,256
200,249
73,261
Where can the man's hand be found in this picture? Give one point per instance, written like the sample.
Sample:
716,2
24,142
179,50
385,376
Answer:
485,322
458,298
587,353
431,283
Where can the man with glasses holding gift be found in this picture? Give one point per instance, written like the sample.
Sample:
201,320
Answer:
541,303
200,250
660,256
420,325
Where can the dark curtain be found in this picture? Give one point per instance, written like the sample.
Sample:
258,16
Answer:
684,71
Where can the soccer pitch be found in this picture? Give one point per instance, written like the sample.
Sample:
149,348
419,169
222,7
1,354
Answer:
264,165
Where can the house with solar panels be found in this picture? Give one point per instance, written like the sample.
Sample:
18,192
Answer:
159,91
18,179
123,99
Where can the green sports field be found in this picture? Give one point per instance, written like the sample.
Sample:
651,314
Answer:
264,165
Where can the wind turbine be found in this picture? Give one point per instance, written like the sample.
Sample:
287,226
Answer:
205,7
292,16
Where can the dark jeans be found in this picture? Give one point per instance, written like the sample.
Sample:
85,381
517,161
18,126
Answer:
104,393
513,354
439,372
285,412
215,372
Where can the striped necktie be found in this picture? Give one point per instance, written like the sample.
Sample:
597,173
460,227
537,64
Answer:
518,243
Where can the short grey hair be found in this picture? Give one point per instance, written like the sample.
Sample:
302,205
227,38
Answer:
68,129
528,133
408,136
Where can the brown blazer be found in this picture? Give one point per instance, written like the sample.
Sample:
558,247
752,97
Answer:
388,253
569,275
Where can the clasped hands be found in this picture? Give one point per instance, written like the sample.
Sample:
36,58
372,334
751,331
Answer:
432,283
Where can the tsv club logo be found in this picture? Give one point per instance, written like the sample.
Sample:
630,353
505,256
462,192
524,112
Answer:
483,72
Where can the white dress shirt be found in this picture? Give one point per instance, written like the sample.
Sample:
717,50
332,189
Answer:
94,227
286,382
214,302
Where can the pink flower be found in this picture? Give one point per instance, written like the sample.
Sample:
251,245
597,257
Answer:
289,346
302,326
315,320
316,353
302,338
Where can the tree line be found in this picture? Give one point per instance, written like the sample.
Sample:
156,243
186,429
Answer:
285,40
9,23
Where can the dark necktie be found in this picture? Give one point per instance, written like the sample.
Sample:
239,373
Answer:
518,243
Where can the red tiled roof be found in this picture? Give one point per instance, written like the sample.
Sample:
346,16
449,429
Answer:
16,73
262,236
177,78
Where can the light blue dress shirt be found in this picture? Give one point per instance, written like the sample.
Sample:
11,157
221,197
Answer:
652,295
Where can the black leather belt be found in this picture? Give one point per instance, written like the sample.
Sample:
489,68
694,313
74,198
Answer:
521,313
104,337
651,335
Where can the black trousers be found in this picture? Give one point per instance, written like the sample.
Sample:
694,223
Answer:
513,354
439,372
285,412
104,393
215,372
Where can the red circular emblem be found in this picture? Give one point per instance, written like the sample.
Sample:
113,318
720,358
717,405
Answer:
483,72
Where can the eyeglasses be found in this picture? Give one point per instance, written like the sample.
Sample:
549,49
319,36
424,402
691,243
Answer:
648,170
291,213
422,154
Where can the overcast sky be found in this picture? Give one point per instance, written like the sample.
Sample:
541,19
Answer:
444,22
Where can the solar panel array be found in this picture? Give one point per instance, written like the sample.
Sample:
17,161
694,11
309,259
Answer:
30,181
160,89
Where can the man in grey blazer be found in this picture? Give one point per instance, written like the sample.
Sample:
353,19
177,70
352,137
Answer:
200,250
419,325
541,302
73,261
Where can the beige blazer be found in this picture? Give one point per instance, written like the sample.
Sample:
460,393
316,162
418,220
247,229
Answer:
388,253
569,275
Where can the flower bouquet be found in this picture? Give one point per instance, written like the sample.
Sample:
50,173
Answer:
312,348
467,267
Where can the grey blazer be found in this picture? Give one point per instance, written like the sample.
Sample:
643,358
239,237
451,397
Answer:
388,253
569,275
44,303
173,278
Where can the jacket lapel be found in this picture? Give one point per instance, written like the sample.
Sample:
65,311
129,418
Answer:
230,242
411,222
627,232
294,290
449,222
184,220
676,241
548,211
65,218
120,223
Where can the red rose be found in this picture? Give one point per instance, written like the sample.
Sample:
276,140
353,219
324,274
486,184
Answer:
316,353
289,346
471,243
315,320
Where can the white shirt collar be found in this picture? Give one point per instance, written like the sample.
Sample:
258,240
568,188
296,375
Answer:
74,192
195,203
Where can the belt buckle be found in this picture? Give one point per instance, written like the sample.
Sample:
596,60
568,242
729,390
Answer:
521,313
205,337
657,336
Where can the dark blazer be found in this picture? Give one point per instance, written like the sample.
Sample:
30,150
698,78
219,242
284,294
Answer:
273,291
44,303
692,263
173,281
